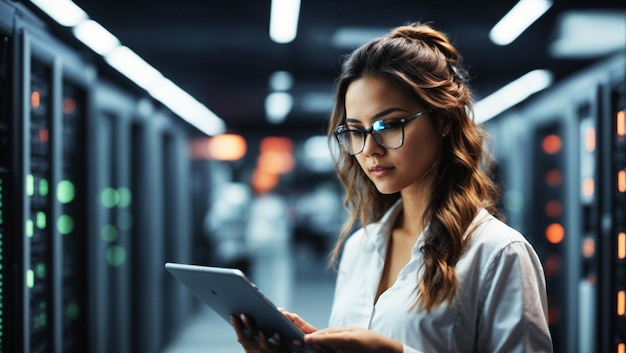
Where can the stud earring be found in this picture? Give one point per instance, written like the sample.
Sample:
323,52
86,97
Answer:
443,135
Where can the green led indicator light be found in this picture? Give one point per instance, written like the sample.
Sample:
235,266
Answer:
41,220
110,197
43,187
65,224
30,228
73,311
125,197
125,220
116,256
41,270
65,191
30,278
30,185
109,233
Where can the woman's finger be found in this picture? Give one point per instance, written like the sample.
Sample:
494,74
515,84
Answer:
299,322
249,326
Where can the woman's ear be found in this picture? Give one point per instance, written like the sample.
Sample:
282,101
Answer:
444,126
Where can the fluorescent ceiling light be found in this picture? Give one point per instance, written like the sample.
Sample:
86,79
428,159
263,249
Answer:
65,12
512,94
515,22
589,34
180,102
284,20
131,65
187,107
352,37
134,67
96,37
277,106
281,81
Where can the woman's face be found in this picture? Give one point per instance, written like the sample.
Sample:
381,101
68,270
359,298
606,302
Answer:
370,99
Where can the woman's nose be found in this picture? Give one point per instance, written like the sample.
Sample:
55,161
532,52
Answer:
372,146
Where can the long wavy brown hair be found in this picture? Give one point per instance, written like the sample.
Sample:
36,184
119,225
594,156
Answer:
426,66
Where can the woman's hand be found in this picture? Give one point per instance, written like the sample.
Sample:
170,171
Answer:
255,341
297,320
353,340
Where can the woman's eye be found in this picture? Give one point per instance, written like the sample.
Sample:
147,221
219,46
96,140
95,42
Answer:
355,133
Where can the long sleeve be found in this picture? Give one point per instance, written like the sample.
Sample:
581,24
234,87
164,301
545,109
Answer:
513,317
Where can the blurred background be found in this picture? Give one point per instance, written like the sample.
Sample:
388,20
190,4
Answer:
135,133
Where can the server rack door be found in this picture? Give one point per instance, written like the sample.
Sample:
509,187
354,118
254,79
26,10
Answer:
147,245
548,219
585,269
176,229
39,232
9,308
109,268
70,194
612,296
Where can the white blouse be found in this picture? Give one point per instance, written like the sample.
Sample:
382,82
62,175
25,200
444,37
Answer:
501,304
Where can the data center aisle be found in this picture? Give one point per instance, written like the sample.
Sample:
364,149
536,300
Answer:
311,298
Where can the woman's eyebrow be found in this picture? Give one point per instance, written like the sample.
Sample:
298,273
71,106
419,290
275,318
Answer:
379,115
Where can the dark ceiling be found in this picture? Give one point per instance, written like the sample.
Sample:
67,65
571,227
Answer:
221,53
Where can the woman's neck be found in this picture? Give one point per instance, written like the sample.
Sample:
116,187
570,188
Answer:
414,205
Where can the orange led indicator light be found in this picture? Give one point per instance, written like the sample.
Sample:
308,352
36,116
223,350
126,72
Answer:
621,246
621,123
35,99
590,139
551,144
588,186
621,303
554,208
553,177
621,181
44,135
589,247
555,233
621,348
69,105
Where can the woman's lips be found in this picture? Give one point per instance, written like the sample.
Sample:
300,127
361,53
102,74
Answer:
380,171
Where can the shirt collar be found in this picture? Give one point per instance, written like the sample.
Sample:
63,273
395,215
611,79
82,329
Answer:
377,234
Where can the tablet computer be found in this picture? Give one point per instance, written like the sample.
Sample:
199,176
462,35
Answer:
229,292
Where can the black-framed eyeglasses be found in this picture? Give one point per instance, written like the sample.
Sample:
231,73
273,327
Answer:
388,133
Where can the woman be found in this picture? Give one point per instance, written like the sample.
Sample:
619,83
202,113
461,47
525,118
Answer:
431,269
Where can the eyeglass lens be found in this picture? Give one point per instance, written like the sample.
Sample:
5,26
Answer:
387,134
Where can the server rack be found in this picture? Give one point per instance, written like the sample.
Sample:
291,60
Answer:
612,223
576,176
95,197
44,283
